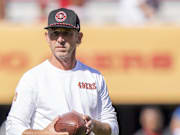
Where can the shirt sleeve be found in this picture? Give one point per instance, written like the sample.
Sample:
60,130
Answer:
106,110
23,106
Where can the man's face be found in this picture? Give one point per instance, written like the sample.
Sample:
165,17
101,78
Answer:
63,41
152,120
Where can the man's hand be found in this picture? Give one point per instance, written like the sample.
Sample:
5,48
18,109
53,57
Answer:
89,124
97,127
49,130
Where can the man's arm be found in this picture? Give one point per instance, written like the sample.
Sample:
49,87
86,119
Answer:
106,119
49,130
23,106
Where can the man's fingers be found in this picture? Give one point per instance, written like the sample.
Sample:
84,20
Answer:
86,118
62,133
89,127
88,131
88,124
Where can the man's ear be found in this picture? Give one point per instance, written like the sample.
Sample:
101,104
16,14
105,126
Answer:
47,36
80,36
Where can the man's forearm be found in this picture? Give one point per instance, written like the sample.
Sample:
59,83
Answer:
33,132
101,128
42,132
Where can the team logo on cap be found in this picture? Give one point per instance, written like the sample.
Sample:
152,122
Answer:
60,16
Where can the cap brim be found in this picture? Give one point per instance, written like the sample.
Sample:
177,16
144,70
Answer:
59,26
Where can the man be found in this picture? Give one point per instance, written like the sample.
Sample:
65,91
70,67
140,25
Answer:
151,120
61,84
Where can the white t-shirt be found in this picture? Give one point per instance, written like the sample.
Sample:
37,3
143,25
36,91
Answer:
45,92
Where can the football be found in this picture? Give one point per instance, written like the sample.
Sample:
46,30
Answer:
71,122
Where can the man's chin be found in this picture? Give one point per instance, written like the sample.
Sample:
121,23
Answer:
62,57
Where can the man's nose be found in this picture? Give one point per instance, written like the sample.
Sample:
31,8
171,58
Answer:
60,38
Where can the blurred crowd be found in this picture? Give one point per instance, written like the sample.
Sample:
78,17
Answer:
152,122
125,12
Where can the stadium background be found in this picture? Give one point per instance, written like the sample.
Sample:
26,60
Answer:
141,65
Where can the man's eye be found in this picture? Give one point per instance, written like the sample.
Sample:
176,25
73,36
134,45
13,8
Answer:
56,33
67,33
63,33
